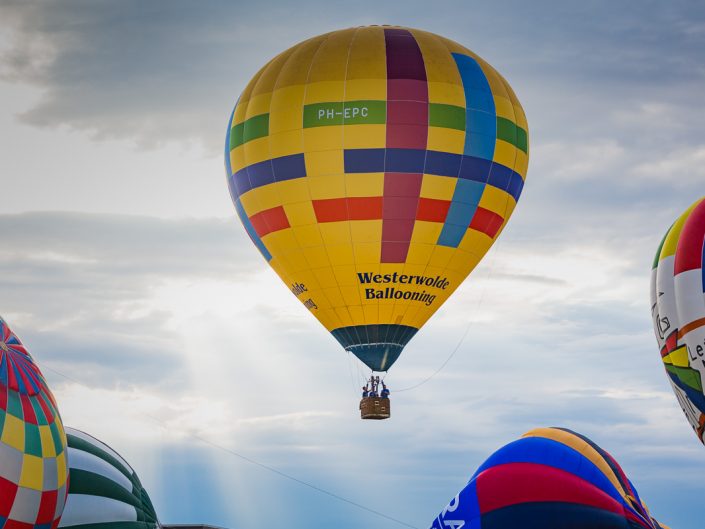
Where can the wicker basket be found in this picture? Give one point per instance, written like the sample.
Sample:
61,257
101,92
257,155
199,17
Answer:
375,408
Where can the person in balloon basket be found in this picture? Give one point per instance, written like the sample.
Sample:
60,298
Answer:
365,391
375,386
385,391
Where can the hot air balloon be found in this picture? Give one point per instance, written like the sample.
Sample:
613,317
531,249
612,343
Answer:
104,491
678,311
373,168
550,477
33,470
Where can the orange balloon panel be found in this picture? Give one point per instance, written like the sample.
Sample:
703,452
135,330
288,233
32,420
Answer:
374,167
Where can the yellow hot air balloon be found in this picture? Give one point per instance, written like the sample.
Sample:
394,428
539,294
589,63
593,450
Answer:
373,168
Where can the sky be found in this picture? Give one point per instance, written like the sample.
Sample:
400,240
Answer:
162,332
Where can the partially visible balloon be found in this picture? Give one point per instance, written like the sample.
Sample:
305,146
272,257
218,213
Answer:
373,168
33,470
678,311
104,491
549,478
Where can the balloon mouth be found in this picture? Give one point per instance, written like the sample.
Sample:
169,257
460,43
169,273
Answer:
377,346
4,347
377,356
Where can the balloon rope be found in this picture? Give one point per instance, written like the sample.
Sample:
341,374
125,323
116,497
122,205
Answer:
247,459
350,372
465,334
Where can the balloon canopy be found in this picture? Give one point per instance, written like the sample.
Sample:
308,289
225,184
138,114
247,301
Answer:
33,470
551,477
678,311
373,168
104,491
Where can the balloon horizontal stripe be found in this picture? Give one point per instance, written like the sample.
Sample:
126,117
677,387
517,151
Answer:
83,482
542,515
434,163
537,483
386,160
691,327
374,112
252,129
91,446
372,208
269,171
104,491
432,209
446,116
487,222
103,513
350,208
545,451
512,133
269,220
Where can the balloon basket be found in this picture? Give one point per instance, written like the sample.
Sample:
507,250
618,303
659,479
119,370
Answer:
375,408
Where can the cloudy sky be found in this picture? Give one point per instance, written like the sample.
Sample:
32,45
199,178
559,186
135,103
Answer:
163,332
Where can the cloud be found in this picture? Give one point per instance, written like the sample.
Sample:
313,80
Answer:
173,331
154,74
128,244
180,318
682,168
580,161
161,73
77,286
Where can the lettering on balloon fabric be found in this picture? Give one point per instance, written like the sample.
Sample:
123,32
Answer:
394,292
299,288
345,113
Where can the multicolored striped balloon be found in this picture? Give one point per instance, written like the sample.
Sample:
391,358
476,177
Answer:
33,470
550,477
373,168
104,491
678,311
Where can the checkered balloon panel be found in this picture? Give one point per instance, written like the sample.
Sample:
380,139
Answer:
33,467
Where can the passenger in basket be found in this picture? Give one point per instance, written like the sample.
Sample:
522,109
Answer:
373,391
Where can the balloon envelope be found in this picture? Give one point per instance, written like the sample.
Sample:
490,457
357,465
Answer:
104,491
33,469
678,311
373,168
551,477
